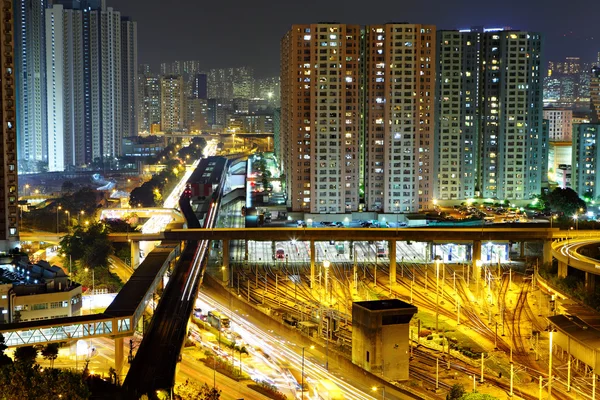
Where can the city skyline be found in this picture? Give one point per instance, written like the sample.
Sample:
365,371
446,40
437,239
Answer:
254,30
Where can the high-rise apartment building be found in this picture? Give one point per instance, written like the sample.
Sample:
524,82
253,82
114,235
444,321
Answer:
560,124
399,81
30,60
199,87
172,103
321,116
65,103
9,208
489,137
586,153
129,77
149,101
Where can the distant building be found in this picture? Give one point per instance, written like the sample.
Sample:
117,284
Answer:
563,176
149,105
595,94
34,292
172,103
199,88
129,77
138,146
586,154
195,117
559,154
277,132
560,124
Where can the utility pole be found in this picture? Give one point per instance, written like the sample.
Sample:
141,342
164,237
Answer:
550,367
481,379
569,374
540,389
512,373
437,373
458,312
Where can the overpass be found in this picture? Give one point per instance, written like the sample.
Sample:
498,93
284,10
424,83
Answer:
567,252
119,320
146,212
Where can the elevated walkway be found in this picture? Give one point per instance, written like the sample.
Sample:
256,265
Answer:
148,212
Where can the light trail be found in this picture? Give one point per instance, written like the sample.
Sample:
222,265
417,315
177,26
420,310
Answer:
284,351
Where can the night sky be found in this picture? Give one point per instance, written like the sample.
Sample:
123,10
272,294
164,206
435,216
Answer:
228,33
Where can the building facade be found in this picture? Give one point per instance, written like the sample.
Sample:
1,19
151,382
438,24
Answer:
489,136
172,103
585,179
30,59
399,116
129,77
65,102
9,207
149,101
560,124
595,94
321,116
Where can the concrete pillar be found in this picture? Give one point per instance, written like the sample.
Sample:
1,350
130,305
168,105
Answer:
246,250
476,259
522,249
392,256
547,256
225,266
312,263
590,282
562,269
135,254
119,356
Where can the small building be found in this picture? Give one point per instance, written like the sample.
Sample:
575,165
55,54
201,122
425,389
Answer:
36,292
380,337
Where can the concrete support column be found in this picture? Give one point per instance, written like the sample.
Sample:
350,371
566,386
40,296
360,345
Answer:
590,282
312,263
547,256
392,256
522,249
246,250
563,269
135,254
119,356
225,266
476,259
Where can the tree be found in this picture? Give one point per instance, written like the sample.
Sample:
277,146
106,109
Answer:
241,350
26,355
50,353
17,317
565,201
67,187
4,359
456,392
209,393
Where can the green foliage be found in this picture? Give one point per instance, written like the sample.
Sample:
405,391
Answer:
90,245
456,392
26,355
478,396
50,353
195,391
4,359
67,187
564,201
20,381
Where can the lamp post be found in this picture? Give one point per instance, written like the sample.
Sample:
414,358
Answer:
302,384
576,219
374,388
437,292
27,188
81,213
552,218
93,281
68,219
57,210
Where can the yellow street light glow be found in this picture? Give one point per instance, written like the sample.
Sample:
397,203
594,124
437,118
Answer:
326,263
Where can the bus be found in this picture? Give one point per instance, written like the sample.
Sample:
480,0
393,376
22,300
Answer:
327,390
217,320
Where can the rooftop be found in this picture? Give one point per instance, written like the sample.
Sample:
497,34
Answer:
386,305
577,329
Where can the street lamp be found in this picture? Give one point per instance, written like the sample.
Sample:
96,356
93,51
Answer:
57,210
576,219
68,218
551,220
81,213
27,188
374,388
93,281
302,384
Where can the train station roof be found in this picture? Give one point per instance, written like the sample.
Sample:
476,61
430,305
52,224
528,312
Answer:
577,329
